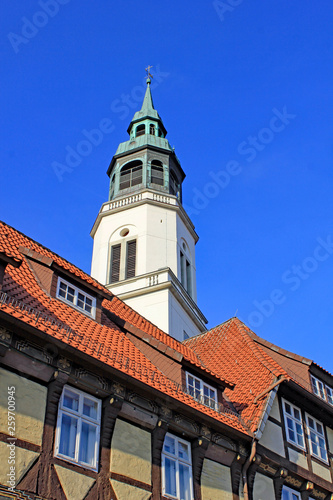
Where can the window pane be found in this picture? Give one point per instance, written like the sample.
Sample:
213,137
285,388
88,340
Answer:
291,435
170,477
288,409
62,290
68,435
297,414
70,294
184,482
169,445
300,439
321,389
197,388
87,443
90,408
329,393
183,451
71,400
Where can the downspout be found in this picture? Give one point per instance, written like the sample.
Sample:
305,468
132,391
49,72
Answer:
246,466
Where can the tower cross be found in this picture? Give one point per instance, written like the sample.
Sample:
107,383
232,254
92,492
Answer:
149,75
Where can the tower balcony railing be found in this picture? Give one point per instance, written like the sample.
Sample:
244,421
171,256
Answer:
139,197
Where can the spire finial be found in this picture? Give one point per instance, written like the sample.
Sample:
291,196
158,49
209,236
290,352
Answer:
149,75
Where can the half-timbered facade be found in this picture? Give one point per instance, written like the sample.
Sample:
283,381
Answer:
98,403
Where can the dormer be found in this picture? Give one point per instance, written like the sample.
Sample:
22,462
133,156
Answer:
61,284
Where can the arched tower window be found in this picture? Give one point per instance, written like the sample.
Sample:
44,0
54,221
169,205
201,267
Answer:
152,129
131,174
140,130
173,184
157,172
185,268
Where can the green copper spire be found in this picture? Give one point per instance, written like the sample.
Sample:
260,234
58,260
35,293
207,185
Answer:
147,118
147,109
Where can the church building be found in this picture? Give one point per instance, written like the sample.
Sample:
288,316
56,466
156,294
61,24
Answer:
144,242
111,386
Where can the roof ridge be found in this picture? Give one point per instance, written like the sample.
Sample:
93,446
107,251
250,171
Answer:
281,350
258,352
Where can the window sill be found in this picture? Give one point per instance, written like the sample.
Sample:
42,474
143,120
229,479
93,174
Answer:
63,461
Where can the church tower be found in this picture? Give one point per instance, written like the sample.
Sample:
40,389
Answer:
144,242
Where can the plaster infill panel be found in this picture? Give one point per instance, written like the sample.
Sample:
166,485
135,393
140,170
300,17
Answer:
263,487
275,410
298,458
30,404
215,481
75,485
131,452
23,461
126,491
272,438
321,471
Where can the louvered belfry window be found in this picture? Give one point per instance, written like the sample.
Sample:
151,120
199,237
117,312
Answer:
115,263
157,172
130,259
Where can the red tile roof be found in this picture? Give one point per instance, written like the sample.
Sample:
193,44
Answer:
24,299
237,356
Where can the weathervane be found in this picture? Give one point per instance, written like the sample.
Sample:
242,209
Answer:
149,75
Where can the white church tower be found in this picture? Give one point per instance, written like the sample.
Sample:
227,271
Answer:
144,242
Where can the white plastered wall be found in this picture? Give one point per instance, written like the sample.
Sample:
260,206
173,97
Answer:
158,229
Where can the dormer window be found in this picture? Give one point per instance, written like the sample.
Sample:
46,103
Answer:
202,392
76,297
140,130
322,390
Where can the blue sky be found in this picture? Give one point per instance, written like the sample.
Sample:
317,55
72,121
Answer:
245,92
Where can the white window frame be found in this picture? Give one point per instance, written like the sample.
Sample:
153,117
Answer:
314,436
322,390
213,401
62,410
329,394
175,457
295,422
318,387
77,291
290,491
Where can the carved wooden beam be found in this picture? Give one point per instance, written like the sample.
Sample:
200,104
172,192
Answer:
102,489
157,441
199,448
